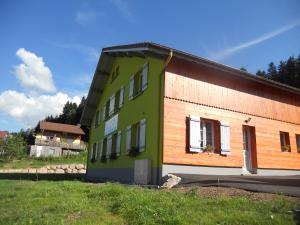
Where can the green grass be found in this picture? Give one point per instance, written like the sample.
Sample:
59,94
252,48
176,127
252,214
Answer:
75,202
27,162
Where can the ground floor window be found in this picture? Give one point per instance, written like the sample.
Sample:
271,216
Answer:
136,137
285,141
93,152
298,142
208,135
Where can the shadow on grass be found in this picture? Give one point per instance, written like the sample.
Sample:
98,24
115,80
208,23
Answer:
297,217
37,177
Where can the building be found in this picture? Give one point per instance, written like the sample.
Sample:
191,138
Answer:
57,139
154,110
4,135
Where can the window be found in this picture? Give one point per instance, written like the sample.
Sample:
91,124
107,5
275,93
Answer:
97,119
136,137
115,74
93,152
298,142
114,104
285,141
206,132
138,82
209,136
110,146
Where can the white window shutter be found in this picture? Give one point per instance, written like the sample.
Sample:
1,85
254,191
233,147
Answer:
118,144
104,111
112,104
121,100
91,151
96,150
145,76
131,87
100,147
195,137
109,146
142,135
128,138
99,117
93,125
204,132
225,138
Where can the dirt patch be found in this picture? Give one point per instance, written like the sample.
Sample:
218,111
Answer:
217,192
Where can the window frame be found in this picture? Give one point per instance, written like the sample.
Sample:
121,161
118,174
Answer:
285,141
298,142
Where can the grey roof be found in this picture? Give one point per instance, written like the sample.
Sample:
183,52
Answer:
148,48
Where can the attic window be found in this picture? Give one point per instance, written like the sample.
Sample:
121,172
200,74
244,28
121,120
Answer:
115,74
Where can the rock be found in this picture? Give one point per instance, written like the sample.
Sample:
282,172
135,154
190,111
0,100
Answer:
64,167
31,170
24,171
170,180
82,171
50,171
72,166
60,171
52,167
68,170
48,167
42,170
58,166
79,166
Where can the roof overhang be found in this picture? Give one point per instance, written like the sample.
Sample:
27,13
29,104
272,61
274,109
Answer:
144,49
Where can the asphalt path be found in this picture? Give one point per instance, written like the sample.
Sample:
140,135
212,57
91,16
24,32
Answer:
287,185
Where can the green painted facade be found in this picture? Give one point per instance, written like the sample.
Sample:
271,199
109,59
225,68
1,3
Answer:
147,106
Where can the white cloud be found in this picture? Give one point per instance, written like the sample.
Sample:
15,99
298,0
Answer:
85,18
28,110
32,73
230,51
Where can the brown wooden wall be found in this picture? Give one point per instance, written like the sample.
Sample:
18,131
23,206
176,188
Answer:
193,90
269,154
194,83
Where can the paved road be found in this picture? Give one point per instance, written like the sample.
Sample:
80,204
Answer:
288,185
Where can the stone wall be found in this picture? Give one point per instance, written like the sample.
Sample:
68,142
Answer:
51,169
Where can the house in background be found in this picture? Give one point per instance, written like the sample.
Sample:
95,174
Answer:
57,139
154,110
4,135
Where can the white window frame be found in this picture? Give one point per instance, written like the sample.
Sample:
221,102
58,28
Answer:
203,123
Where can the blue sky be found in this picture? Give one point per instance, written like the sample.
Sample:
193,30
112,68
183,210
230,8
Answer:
49,49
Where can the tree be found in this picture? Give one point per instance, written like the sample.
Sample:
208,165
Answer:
14,147
287,72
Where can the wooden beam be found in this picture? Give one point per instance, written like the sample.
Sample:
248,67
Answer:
91,106
98,90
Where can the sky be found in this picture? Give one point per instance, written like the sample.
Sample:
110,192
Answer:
49,49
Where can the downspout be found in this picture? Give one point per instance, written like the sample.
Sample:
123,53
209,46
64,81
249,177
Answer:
161,112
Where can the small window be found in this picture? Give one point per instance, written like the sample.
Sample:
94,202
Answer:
93,152
138,82
115,74
298,142
285,141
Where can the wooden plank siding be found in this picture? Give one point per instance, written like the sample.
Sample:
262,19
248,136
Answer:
195,90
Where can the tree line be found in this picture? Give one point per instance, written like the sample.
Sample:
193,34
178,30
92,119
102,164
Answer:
287,72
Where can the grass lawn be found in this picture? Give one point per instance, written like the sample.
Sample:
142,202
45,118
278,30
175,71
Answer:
75,202
28,162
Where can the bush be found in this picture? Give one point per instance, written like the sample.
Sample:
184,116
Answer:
13,147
